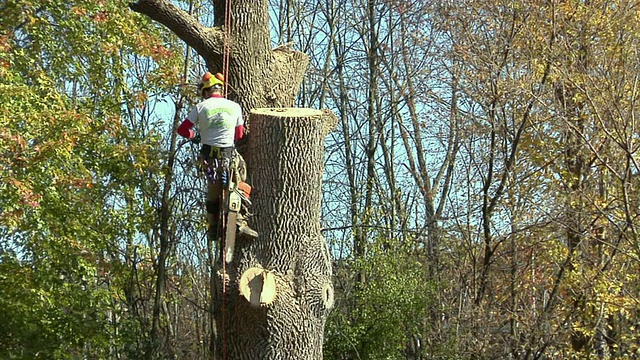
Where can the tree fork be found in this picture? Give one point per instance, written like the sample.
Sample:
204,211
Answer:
259,76
286,158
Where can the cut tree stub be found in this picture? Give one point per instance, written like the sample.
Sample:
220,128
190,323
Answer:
258,286
285,160
287,112
286,164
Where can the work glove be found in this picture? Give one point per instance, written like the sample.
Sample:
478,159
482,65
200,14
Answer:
196,139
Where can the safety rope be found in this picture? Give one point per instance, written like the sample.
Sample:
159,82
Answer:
223,245
226,55
225,72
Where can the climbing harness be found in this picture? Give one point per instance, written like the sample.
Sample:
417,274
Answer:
222,168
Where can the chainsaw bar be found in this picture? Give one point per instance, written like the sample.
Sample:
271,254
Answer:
230,236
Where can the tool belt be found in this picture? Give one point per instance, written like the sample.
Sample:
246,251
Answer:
214,152
220,163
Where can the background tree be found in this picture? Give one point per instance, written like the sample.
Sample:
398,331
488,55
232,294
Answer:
73,151
518,60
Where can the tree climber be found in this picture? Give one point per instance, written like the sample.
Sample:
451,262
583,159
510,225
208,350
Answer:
221,125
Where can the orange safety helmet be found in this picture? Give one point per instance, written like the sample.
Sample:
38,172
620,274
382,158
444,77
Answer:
209,80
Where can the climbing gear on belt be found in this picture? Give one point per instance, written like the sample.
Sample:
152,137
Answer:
222,166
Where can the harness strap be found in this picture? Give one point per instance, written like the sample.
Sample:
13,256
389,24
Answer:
214,152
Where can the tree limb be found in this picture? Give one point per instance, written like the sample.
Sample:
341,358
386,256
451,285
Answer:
206,41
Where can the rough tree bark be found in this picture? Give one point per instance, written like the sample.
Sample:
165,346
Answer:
259,76
285,161
287,173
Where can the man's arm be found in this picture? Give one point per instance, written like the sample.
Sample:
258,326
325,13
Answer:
184,129
239,132
239,125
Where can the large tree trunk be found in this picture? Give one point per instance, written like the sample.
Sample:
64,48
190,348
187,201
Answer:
286,154
285,161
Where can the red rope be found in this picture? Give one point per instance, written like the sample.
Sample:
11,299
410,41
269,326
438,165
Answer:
225,72
223,245
227,46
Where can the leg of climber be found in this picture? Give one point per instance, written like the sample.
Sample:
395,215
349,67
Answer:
243,227
213,208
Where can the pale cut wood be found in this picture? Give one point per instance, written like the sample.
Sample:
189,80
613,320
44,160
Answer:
258,286
287,112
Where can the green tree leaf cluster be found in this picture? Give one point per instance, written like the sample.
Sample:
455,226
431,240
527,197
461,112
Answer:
75,160
378,318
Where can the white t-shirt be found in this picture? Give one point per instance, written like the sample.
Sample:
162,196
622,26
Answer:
217,119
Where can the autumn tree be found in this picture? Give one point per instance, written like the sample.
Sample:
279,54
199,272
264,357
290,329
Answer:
72,154
539,160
